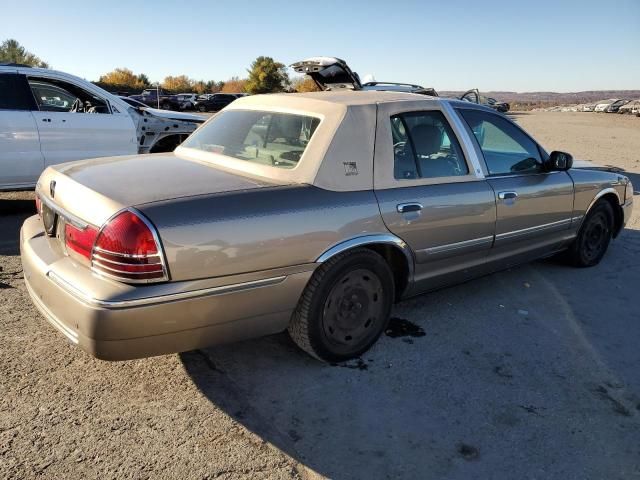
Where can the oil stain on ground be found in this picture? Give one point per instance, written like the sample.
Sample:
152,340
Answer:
399,327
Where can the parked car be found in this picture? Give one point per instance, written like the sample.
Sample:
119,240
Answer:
215,102
157,98
615,106
49,117
331,73
187,100
602,105
308,212
474,96
170,114
631,107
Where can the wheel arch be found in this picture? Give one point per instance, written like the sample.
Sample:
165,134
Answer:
610,195
394,250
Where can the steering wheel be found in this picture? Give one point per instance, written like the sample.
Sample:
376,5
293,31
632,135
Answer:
398,148
78,106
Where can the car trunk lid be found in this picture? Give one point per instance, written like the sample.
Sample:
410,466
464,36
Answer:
329,73
93,190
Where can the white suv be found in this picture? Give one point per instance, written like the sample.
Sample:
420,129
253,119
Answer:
49,117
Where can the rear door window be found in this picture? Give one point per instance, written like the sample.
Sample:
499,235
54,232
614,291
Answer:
13,93
425,146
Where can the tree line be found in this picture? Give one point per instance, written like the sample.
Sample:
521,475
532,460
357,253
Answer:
265,75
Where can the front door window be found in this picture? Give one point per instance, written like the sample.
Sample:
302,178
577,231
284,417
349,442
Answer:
507,150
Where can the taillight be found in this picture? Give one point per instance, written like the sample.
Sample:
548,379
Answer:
80,240
38,205
128,249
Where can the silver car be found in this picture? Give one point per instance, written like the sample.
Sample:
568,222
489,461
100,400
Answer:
310,212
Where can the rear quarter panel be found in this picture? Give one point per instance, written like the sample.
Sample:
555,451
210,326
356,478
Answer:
253,230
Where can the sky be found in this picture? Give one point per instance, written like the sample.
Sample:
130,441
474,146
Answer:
541,45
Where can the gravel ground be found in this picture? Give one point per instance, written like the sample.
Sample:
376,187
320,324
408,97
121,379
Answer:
528,373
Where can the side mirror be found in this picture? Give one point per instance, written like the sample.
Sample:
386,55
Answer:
559,161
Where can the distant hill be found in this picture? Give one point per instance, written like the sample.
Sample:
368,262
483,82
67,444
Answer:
528,100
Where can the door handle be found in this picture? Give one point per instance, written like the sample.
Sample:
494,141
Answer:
46,120
409,207
507,195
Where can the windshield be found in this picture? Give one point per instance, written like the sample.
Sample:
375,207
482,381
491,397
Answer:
267,138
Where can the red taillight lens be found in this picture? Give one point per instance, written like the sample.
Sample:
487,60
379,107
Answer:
38,205
126,249
80,241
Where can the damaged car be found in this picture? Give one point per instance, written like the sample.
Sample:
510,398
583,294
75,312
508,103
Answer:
474,96
49,117
331,73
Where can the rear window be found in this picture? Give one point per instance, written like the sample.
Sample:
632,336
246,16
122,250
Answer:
267,138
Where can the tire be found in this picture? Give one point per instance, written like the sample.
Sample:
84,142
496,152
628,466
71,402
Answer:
345,307
202,108
594,236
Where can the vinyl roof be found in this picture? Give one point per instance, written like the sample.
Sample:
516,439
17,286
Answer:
348,97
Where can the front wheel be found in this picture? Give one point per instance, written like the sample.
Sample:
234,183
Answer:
594,236
345,307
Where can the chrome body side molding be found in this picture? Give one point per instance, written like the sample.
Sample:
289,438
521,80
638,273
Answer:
172,297
536,229
455,247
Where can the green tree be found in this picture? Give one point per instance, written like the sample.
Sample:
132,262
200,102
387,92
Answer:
12,52
123,78
144,80
267,76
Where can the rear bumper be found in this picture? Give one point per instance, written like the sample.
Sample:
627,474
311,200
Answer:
113,321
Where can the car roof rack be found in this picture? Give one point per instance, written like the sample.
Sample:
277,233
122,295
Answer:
15,65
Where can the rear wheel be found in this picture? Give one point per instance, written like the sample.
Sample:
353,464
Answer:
594,236
202,108
345,307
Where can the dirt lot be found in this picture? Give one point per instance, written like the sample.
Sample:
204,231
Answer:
529,373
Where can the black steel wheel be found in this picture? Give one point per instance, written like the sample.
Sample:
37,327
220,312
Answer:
594,236
345,307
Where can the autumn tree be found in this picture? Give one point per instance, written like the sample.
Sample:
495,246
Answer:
199,87
181,83
12,52
267,76
124,78
304,84
214,87
234,85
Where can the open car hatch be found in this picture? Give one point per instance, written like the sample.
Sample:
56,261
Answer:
329,73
